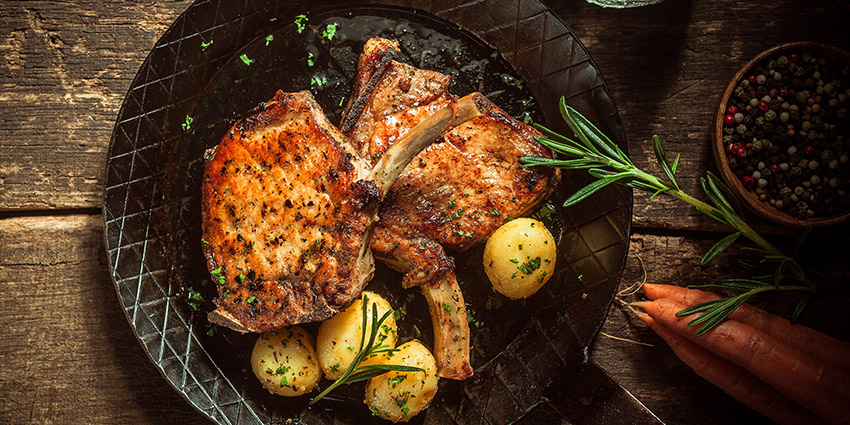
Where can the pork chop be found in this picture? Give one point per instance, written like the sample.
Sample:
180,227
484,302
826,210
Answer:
453,194
288,208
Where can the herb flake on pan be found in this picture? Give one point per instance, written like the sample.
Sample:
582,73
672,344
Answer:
300,23
245,59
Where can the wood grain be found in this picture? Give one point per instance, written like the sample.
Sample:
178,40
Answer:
64,73
68,354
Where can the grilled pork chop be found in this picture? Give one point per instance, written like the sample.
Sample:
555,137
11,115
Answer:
453,194
287,212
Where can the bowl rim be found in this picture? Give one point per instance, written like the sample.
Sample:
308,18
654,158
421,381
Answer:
750,199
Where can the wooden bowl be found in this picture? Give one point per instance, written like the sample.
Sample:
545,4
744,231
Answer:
750,199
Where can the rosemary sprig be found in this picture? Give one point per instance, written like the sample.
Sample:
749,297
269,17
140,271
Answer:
595,152
355,372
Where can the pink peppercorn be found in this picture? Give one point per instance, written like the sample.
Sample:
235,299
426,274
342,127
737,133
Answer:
793,57
763,106
809,150
729,120
751,79
774,168
732,110
748,182
783,92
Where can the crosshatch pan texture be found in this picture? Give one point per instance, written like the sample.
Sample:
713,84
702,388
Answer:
152,222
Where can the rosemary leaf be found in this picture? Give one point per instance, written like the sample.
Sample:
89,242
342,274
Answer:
592,133
742,284
800,240
661,156
698,308
804,300
592,188
719,247
676,162
582,136
722,313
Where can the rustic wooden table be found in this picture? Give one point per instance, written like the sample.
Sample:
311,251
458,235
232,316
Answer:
67,354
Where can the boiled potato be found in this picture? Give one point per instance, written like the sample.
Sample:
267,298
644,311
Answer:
285,361
339,337
519,257
398,396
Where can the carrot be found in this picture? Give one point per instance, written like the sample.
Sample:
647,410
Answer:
822,389
733,380
809,341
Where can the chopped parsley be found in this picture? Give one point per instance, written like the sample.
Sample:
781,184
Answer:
310,59
217,274
269,39
245,59
405,410
520,246
495,54
205,44
452,205
241,278
397,380
580,276
282,369
330,31
447,307
283,381
494,212
341,100
512,81
514,260
188,123
530,266
462,233
318,81
212,330
547,210
251,299
273,19
300,23
335,368
351,348
204,241
195,299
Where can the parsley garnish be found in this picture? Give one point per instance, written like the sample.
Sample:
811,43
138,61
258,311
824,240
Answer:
241,278
514,260
547,210
283,381
251,299
188,123
494,211
269,39
205,242
245,59
318,81
447,307
218,276
530,266
205,44
282,369
310,59
330,31
462,233
300,23
195,299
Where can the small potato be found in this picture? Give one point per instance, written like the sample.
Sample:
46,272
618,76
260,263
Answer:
519,257
285,361
399,396
339,337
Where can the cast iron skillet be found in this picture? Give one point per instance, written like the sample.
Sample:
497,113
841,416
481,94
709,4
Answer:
218,60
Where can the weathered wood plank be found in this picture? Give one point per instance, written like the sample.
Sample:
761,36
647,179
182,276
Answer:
64,73
67,352
67,67
69,356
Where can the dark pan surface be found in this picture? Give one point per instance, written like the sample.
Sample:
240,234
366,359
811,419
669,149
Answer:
524,60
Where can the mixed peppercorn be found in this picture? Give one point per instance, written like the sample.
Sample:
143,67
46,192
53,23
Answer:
786,133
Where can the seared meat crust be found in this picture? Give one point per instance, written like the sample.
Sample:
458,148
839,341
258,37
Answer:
285,214
384,86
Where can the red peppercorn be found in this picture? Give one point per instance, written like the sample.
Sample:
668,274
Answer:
809,150
748,182
728,148
763,105
774,168
793,57
752,79
728,120
739,150
783,92
732,110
